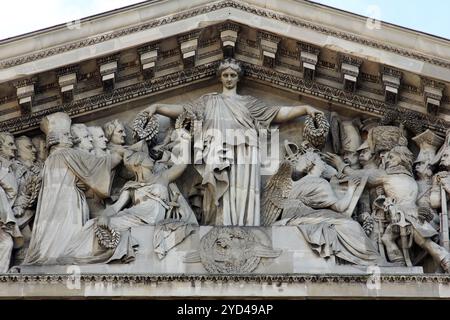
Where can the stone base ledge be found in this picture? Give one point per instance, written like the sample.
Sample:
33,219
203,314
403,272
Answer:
225,286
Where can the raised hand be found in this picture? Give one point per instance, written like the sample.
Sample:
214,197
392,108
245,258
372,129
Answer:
311,111
151,110
333,160
354,182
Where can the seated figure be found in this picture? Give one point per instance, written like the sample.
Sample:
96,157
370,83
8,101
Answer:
312,205
149,197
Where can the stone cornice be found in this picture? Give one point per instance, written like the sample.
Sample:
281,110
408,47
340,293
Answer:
220,5
338,96
242,286
314,89
255,278
107,100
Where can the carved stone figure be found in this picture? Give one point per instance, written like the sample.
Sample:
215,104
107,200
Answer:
441,179
366,157
367,160
346,139
62,209
149,205
115,133
99,141
26,151
10,235
231,250
381,139
41,148
230,165
181,210
96,137
27,171
311,204
401,194
82,139
28,180
428,143
371,218
440,190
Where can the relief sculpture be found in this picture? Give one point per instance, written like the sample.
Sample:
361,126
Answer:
352,189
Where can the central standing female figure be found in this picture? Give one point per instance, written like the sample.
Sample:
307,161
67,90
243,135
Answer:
230,169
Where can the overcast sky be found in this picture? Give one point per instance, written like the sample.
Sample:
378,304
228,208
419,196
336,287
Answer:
22,16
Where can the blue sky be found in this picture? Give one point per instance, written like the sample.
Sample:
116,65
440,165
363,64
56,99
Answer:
21,16
430,16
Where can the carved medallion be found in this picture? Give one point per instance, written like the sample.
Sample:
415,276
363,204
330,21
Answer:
232,250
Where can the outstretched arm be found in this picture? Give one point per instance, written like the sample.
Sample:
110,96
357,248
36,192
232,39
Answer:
291,113
180,154
168,110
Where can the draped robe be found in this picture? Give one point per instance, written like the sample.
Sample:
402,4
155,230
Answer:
330,233
230,169
10,235
62,209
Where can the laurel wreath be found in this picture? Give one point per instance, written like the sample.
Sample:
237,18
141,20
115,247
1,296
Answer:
107,237
316,130
145,127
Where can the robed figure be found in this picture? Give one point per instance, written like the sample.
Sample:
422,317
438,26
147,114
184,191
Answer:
230,129
62,209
